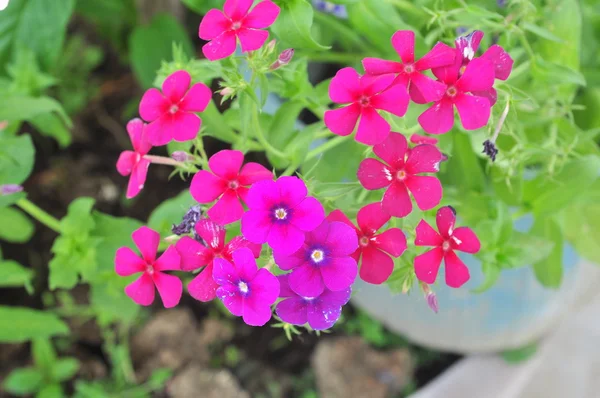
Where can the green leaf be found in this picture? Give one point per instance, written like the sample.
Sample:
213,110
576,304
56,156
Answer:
523,250
549,271
51,125
294,24
17,156
150,45
44,356
112,232
13,274
21,107
79,219
519,354
23,324
65,369
23,381
464,169
159,377
283,129
15,227
491,272
50,391
581,223
508,188
170,212
331,167
541,32
553,73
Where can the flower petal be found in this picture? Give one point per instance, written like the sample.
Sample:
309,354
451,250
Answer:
147,242
376,266
306,281
457,273
465,240
377,66
254,172
252,39
206,187
256,313
426,190
373,85
128,263
256,225
341,240
392,150
263,195
439,118
502,61
373,174
141,291
213,24
220,47
176,85
193,254
403,42
211,233
322,315
424,159
396,201
308,215
159,132
135,129
427,236
372,127
292,310
318,235
339,273
226,163
196,99
231,298
224,272
203,287
264,287
228,209
284,286
126,163
288,262
153,105
423,139
285,238
237,9
339,298
345,86
427,265
445,219
169,287
394,100
184,126
338,215
262,15
137,178
474,111
490,94
371,217
342,121
245,264
168,261
449,74
292,190
424,89
440,55
478,76
392,241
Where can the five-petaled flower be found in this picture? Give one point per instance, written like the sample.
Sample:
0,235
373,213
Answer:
195,255
229,184
409,72
141,290
320,312
280,214
364,96
223,29
446,242
324,261
374,249
244,289
171,113
400,173
133,163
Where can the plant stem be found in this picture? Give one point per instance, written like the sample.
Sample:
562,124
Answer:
332,143
261,138
163,160
290,170
39,214
501,122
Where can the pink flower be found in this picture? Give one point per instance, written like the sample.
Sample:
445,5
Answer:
409,72
229,184
320,312
133,162
374,249
171,113
280,214
400,171
141,290
446,242
195,255
237,23
244,289
474,111
324,261
365,95
423,139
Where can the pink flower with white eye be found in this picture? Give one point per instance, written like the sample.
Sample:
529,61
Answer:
133,163
229,184
445,242
171,114
400,172
364,96
237,23
153,270
409,72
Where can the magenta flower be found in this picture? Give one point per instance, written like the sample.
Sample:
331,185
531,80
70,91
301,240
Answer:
320,312
141,291
280,214
133,163
374,249
400,171
422,139
324,261
409,72
171,113
446,242
244,289
229,184
222,29
195,255
364,96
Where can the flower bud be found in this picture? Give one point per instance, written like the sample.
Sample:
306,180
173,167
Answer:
432,301
227,91
284,58
3,124
406,285
271,46
10,189
182,156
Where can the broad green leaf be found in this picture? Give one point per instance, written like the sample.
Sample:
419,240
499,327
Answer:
13,274
294,23
589,117
550,270
21,107
44,356
112,232
215,125
563,20
464,170
159,377
50,391
23,324
51,125
17,156
283,129
170,212
524,250
294,83
65,369
553,73
111,19
7,200
202,6
150,45
508,188
78,220
15,227
23,381
331,167
581,222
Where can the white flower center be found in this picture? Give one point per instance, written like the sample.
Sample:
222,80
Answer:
280,214
317,256
243,286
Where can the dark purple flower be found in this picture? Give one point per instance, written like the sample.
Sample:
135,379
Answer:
189,220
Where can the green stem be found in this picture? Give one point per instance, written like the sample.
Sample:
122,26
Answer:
39,214
290,170
261,138
332,143
203,156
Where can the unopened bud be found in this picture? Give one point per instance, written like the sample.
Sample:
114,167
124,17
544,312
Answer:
284,58
3,124
227,91
406,285
432,301
172,239
9,189
271,46
182,156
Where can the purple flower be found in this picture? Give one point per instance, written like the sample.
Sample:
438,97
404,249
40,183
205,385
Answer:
324,261
280,213
337,10
320,312
9,189
244,289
